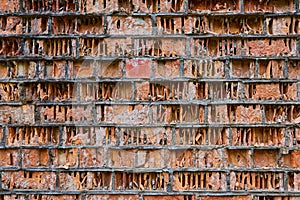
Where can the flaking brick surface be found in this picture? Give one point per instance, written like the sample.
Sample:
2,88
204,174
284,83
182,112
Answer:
149,99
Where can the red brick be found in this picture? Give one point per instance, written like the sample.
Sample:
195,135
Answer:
92,157
138,68
248,114
35,158
180,158
122,158
167,69
167,197
18,114
118,25
291,159
29,180
227,198
10,157
265,158
150,159
65,158
112,197
136,114
209,158
238,158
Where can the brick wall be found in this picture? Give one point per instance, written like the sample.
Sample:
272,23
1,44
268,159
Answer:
148,99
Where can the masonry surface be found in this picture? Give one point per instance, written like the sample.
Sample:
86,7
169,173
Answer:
150,99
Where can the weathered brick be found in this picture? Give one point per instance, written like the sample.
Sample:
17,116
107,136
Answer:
28,180
169,197
112,197
210,181
18,114
167,69
119,25
65,158
138,68
209,158
291,159
180,158
10,157
122,158
265,158
92,157
126,114
84,181
238,158
35,158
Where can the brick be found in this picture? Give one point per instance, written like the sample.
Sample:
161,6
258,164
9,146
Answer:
282,25
136,114
169,197
65,158
54,197
84,181
158,47
270,6
262,181
263,91
209,158
32,136
227,198
180,158
221,6
270,69
18,114
202,136
141,181
204,69
122,158
266,47
265,158
293,181
291,159
258,136
238,158
167,69
136,68
119,25
29,180
218,114
10,157
293,69
150,159
35,158
112,197
13,197
248,114
157,136
109,69
242,68
92,157
50,47
215,181
293,135
10,6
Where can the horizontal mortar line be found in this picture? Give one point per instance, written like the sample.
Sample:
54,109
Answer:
105,58
154,192
147,146
202,102
148,125
95,79
150,36
116,13
123,79
148,170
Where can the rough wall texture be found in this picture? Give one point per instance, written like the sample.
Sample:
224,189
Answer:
148,99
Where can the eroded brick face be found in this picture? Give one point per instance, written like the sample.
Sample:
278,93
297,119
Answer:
149,99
